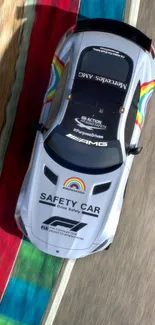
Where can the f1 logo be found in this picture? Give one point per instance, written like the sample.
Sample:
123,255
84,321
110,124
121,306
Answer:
63,222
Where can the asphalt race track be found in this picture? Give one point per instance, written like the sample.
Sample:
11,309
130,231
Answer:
117,287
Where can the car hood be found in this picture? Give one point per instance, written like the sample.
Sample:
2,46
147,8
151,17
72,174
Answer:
65,213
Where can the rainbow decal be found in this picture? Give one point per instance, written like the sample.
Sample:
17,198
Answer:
57,69
75,184
146,91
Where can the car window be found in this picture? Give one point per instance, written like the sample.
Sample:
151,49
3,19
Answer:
131,118
83,156
105,62
56,102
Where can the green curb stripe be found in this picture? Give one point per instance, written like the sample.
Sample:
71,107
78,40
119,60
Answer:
8,321
36,267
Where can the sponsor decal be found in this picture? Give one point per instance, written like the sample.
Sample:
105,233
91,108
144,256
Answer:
88,142
85,75
67,223
75,184
63,226
90,123
109,51
69,205
92,135
103,80
146,91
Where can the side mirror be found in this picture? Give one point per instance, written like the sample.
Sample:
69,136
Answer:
134,150
39,127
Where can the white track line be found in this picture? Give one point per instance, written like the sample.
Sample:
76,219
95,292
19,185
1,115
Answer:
133,17
133,13
60,292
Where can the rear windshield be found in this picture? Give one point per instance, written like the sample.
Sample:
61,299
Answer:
105,62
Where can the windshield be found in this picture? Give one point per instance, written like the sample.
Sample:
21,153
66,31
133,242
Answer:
87,136
82,155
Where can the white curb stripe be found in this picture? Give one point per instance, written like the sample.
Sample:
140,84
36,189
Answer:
60,292
133,13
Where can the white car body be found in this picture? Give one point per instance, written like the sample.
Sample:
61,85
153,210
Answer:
57,209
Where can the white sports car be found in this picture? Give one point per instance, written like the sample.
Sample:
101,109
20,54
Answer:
102,77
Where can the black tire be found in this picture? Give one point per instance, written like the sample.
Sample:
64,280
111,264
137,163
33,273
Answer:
107,248
125,190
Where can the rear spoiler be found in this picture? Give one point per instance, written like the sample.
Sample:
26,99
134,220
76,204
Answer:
115,27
